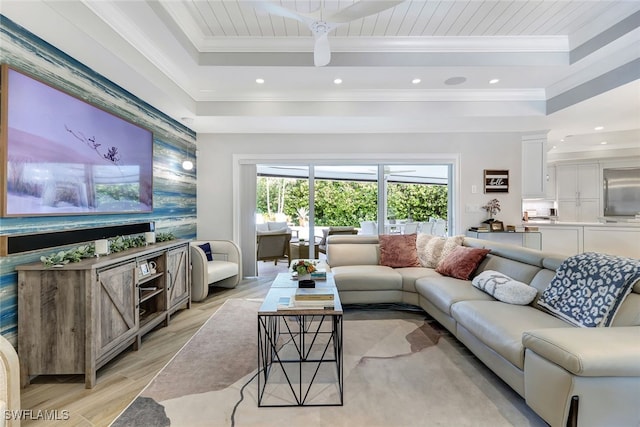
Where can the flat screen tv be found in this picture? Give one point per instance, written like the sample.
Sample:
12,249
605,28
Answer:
63,156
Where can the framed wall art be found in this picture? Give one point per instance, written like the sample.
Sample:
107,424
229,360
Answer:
496,181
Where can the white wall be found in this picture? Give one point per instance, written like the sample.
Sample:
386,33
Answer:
477,152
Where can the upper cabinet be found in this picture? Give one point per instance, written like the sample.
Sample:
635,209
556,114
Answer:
534,166
550,190
578,191
579,181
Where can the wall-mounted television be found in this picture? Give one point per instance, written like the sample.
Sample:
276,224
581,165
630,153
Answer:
63,156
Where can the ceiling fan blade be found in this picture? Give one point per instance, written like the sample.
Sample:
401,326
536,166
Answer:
277,10
361,9
322,50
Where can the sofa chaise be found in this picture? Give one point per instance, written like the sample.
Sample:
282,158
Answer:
223,269
568,375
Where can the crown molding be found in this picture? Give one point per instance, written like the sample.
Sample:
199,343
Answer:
528,44
434,95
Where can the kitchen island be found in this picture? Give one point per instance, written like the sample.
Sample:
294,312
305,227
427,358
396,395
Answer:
571,238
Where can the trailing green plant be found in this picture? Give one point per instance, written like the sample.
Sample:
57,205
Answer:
117,244
164,237
70,255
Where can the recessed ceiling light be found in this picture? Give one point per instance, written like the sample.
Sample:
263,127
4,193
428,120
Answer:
260,81
337,81
493,81
604,143
452,81
562,140
416,81
598,128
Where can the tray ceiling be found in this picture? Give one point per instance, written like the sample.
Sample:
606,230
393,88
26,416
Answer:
560,64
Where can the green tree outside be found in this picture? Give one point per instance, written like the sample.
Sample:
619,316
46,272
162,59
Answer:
348,202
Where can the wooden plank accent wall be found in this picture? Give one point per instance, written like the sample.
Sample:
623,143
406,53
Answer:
174,191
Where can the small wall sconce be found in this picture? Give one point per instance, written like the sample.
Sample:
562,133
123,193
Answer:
187,165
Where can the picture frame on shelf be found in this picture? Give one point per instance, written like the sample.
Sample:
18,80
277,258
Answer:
144,269
497,226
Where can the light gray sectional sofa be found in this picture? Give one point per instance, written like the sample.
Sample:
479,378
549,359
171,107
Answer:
567,374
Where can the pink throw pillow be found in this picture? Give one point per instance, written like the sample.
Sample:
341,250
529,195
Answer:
462,262
398,250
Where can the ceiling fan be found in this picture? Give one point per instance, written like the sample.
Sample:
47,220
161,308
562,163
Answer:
320,27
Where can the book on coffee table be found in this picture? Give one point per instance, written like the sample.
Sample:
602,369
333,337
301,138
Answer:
288,303
313,294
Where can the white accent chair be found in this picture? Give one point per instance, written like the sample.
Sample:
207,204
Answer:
224,271
425,227
368,227
410,228
9,384
439,227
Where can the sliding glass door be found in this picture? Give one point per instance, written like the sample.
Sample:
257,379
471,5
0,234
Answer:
316,200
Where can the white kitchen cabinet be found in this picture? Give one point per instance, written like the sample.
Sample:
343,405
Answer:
578,181
621,241
578,192
580,210
563,240
534,166
530,240
550,186
610,239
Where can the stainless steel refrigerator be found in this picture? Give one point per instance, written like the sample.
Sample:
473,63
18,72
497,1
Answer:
621,192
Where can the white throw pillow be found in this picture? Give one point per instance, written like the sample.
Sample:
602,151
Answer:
432,249
504,288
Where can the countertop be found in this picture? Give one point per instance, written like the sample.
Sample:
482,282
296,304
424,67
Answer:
631,223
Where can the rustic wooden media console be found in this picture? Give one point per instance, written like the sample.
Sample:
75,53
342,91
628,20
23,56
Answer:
74,319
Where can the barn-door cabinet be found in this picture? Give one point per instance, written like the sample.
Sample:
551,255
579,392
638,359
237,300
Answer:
75,318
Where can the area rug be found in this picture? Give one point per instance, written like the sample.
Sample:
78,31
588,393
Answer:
400,369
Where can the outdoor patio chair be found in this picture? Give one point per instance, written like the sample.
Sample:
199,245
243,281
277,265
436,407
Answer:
273,246
322,247
425,227
368,227
410,228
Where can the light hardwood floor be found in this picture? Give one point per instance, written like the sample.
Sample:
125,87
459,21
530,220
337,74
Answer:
120,381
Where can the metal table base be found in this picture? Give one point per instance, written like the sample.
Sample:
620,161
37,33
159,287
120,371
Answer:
300,359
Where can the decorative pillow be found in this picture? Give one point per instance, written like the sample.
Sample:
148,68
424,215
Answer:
449,245
262,227
206,248
431,249
398,250
462,262
504,288
589,288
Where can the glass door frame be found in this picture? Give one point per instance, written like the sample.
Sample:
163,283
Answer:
452,160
